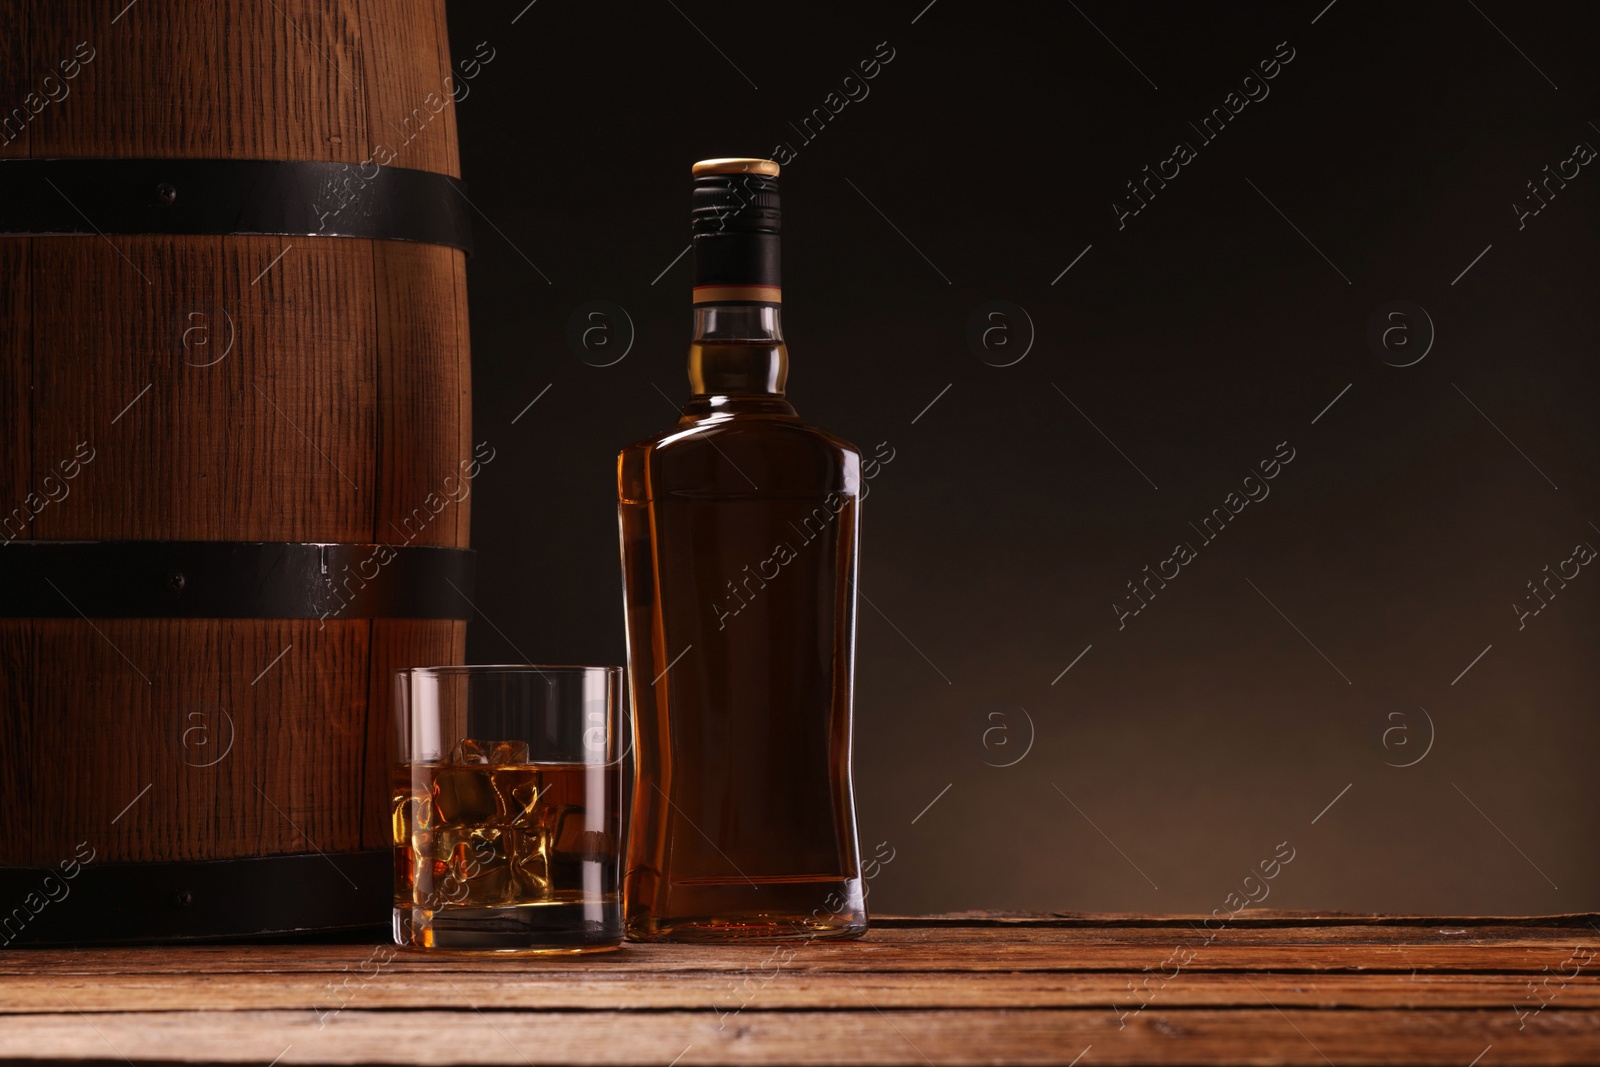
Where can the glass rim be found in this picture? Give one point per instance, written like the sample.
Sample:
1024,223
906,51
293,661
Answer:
508,668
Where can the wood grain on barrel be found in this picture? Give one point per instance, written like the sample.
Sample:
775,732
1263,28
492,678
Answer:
16,391
267,79
151,88
122,749
312,383
421,498
1407,990
18,722
232,388
466,444
16,110
409,107
295,91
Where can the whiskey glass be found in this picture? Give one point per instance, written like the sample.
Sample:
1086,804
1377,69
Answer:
507,808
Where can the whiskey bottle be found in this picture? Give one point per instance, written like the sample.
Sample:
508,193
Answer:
739,530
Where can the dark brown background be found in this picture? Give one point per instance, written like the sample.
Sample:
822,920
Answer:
1208,330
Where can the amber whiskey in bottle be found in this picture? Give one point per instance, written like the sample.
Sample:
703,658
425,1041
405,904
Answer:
739,531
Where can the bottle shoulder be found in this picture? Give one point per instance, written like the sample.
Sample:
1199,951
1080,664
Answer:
779,431
740,455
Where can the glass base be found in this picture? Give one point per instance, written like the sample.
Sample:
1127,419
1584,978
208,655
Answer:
534,929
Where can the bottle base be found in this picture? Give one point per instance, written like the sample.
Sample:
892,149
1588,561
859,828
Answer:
725,910
744,930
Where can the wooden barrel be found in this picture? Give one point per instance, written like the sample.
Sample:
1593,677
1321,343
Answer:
235,453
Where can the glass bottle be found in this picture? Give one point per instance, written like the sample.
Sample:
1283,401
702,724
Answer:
739,531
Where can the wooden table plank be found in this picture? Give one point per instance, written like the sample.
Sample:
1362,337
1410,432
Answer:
1269,988
870,958
1249,917
1256,1035
784,990
1437,945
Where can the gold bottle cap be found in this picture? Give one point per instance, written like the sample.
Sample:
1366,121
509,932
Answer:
735,165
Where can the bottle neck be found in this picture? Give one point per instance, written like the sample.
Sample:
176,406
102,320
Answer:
738,351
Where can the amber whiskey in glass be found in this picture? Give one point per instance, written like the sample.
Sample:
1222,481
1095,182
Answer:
739,530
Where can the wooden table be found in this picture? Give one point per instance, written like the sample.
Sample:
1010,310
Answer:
1266,987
